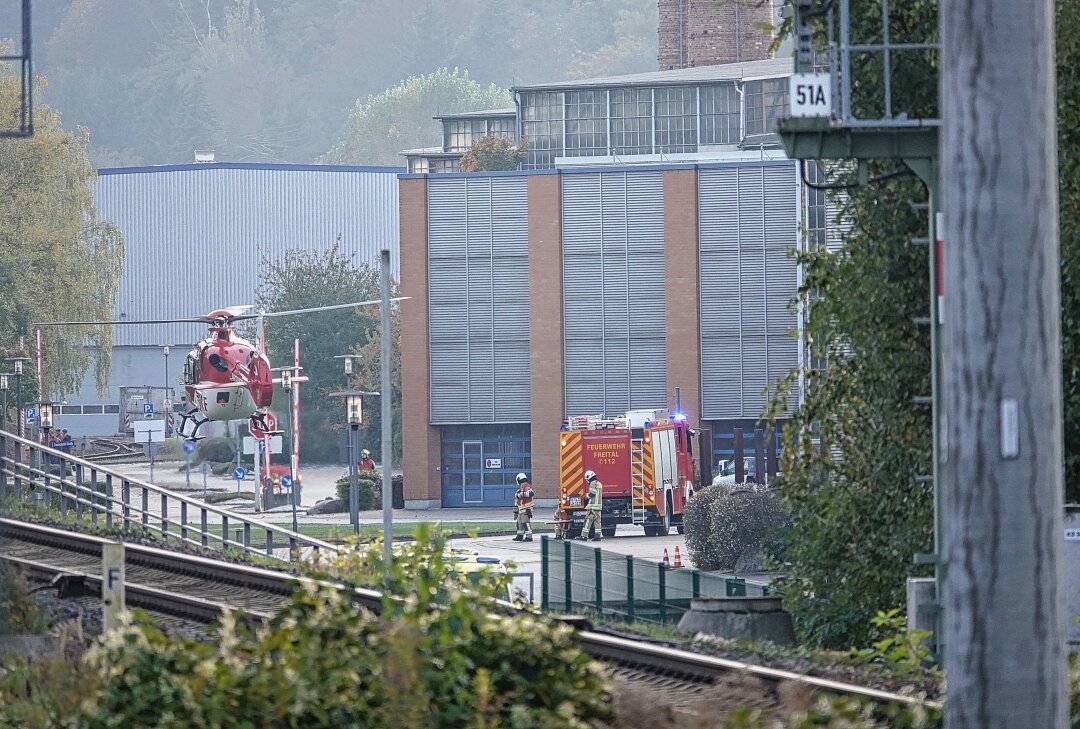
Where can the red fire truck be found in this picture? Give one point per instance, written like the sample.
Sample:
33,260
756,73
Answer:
645,461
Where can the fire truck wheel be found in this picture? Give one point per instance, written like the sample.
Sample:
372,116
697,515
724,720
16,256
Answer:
608,531
681,529
650,531
574,531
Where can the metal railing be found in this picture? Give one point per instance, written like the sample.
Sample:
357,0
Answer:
577,578
34,472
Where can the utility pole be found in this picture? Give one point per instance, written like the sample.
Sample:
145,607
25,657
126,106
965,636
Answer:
387,443
1004,612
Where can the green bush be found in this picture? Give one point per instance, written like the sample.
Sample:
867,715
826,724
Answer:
217,450
441,658
370,491
726,524
19,612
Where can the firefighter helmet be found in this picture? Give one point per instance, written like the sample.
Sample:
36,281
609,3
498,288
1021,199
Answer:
590,475
522,477
365,453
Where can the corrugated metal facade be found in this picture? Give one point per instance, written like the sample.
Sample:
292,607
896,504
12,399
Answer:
748,222
478,289
613,291
195,234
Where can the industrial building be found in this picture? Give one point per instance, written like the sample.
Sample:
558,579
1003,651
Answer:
645,245
195,236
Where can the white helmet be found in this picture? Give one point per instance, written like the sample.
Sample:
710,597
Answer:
590,475
522,477
365,453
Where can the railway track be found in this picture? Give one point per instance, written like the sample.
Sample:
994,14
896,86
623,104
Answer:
112,450
197,589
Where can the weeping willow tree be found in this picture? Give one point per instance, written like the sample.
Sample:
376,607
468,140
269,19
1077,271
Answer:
58,260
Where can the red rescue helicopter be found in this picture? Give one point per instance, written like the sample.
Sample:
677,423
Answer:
226,376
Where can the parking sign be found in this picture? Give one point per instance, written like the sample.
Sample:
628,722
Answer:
148,408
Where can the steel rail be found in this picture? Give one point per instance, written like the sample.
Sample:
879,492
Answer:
612,649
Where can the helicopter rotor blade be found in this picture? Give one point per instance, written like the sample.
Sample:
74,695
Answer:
314,309
193,320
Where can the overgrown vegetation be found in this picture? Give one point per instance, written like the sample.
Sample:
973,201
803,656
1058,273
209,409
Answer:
19,613
729,527
369,488
492,153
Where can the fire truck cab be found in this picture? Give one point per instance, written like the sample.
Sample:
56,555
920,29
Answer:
645,461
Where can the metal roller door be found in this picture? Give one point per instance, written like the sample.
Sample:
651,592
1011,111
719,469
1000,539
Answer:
478,299
613,292
748,226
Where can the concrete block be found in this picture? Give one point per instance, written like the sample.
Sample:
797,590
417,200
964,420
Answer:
742,618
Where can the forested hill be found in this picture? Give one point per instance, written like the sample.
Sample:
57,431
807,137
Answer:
265,80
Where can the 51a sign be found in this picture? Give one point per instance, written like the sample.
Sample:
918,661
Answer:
811,95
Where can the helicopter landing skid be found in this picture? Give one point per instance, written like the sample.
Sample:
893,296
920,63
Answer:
187,417
257,422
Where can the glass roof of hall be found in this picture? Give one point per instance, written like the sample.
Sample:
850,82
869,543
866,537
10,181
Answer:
768,68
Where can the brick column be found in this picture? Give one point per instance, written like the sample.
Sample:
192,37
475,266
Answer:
419,438
681,283
545,329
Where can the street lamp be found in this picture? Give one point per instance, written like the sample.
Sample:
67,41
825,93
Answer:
287,385
18,388
45,422
166,401
4,386
354,410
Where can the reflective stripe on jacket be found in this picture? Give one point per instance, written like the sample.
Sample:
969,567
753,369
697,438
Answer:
596,496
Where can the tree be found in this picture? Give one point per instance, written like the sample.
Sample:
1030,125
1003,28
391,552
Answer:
58,260
854,449
305,279
1068,54
401,118
492,153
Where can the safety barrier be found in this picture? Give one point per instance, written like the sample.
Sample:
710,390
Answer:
578,578
34,472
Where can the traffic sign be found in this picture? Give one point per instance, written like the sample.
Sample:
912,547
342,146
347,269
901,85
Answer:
286,481
239,473
493,463
190,446
271,424
250,444
31,414
148,408
810,94
167,404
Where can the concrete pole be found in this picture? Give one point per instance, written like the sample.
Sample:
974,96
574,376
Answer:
112,585
387,444
1004,613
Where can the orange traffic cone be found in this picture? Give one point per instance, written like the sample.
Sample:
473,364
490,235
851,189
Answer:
678,557
667,562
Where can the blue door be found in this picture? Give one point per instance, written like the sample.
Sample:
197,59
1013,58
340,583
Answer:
472,463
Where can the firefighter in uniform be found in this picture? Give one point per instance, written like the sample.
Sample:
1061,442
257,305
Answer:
523,508
593,507
366,462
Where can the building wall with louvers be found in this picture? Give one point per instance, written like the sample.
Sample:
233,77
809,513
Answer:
195,234
478,299
613,291
748,224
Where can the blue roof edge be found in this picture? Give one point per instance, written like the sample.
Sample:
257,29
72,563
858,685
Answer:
248,166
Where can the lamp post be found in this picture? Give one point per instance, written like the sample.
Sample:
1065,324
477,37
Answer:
287,385
165,397
18,389
4,386
45,422
354,416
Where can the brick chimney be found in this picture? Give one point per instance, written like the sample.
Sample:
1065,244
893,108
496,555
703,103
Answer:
707,32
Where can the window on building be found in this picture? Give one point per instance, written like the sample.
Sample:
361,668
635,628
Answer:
501,127
815,207
586,123
541,124
631,121
418,165
459,135
676,119
766,103
719,114
444,164
96,409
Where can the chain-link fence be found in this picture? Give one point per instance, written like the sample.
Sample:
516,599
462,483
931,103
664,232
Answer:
578,578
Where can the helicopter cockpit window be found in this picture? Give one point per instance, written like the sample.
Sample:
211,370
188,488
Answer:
191,370
218,362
